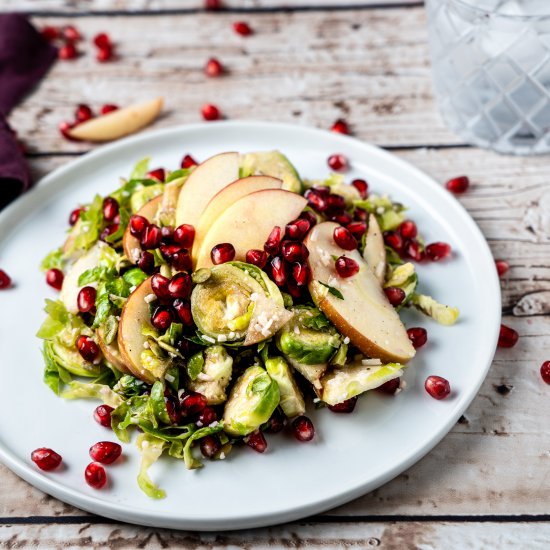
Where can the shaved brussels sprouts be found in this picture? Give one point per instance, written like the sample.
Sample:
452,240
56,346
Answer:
445,315
71,360
214,376
403,277
271,163
292,400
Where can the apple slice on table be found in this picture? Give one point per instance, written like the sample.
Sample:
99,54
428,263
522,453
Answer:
375,249
111,352
246,224
364,314
225,198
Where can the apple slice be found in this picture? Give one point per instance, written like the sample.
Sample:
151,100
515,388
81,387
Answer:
111,352
225,198
364,315
204,182
247,223
118,123
375,249
131,244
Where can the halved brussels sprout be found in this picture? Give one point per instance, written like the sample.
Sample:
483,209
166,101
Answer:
71,360
292,400
214,376
253,399
271,163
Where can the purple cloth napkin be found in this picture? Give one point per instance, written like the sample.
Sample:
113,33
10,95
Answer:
25,57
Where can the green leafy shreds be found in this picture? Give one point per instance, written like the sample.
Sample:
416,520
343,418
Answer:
87,390
316,322
110,329
60,325
55,376
89,228
195,365
129,386
151,450
158,403
177,174
140,169
53,260
190,462
118,234
392,257
134,276
332,290
388,214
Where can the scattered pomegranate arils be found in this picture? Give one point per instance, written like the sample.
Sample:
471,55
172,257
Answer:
86,299
343,218
71,33
302,428
390,387
55,277
183,309
297,229
151,237
83,113
395,295
167,234
5,280
502,267
181,261
172,408
184,235
50,33
276,423
105,452
256,441
344,239
102,415
192,404
393,240
146,262
257,258
67,52
162,318
105,54
213,5
340,126
157,174
108,231
418,336
137,225
188,161
180,285
271,246
46,459
108,108
300,273
508,337
207,416
362,186
337,162
293,288
413,250
159,284
213,68
210,446
294,251
168,250
95,475
64,128
346,406
222,253
346,267
437,251
357,229
545,371
242,28
279,271
102,40
210,112
458,185
408,229
360,215
335,203
316,200
87,348
310,217
437,386
75,216
110,209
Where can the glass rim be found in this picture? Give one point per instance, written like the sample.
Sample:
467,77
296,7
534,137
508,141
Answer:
493,13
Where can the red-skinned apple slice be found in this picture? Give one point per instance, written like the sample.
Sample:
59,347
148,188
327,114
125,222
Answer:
131,244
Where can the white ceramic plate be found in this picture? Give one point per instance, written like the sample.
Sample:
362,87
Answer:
350,455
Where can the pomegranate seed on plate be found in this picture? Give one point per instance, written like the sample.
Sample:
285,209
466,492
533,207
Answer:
279,271
159,284
102,40
362,186
108,108
293,251
316,200
102,415
137,225
110,209
71,34
508,337
180,285
50,33
95,475
502,267
297,229
183,309
408,229
458,185
158,174
346,406
242,28
184,235
54,277
105,452
86,299
393,240
340,126
146,262
213,68
346,267
418,336
300,273
67,52
46,459
162,318
395,295
75,216
181,261
210,112
83,113
271,246
207,416
413,251
5,280
357,229
256,441
105,54
188,161
151,237
192,403
257,258
337,162
390,387
437,251
437,387
303,429
87,348
545,371
210,446
221,253
344,239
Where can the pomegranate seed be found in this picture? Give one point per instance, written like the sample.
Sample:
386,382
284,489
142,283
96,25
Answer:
192,403
316,200
344,239
158,174
271,246
188,161
83,113
159,284
413,251
67,52
5,280
210,112
64,128
108,231
86,299
346,267
395,295
257,258
146,262
213,5
502,267
207,416
343,218
180,285
390,387
210,446
184,235
242,28
181,261
213,68
346,406
87,348
167,234
337,162
276,423
221,253
137,225
46,459
335,203
393,240
162,318
110,209
360,215
279,271
102,40
408,229
458,185
95,475
362,186
294,251
297,229
293,288
151,237
310,217
50,33
102,415
418,336
545,371
437,251
75,216
437,387
256,441
340,126
183,309
168,250
508,337
108,108
323,190
300,273
105,452
71,34
105,54
303,429
357,229
54,277
172,408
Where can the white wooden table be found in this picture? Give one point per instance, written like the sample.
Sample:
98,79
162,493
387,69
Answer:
487,484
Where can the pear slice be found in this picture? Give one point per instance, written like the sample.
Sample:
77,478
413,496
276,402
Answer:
225,198
375,249
111,352
365,315
204,182
246,224
118,123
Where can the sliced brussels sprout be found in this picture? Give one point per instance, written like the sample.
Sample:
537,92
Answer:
142,196
251,403
340,357
404,277
312,373
374,252
342,384
271,163
214,376
71,360
389,214
443,314
291,398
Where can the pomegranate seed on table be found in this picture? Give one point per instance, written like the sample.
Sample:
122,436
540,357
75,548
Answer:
207,416
108,231
102,40
221,253
271,246
390,387
300,273
86,299
362,186
105,54
184,235
344,239
346,406
71,34
180,285
5,280
183,309
50,33
337,162
210,112
75,216
67,52
413,251
64,128
137,225
46,459
279,271
316,200
242,28
83,113
158,174
346,267
508,337
181,261
210,446
393,240
437,387
408,229
357,229
340,126
162,318
213,5
395,295
437,251
545,371
256,440
213,68
151,237
87,348
95,475
55,277
458,185
343,218
108,108
297,229
105,452
110,209
102,415
188,161
192,403
146,262
418,336
502,267
294,251
257,258
302,428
